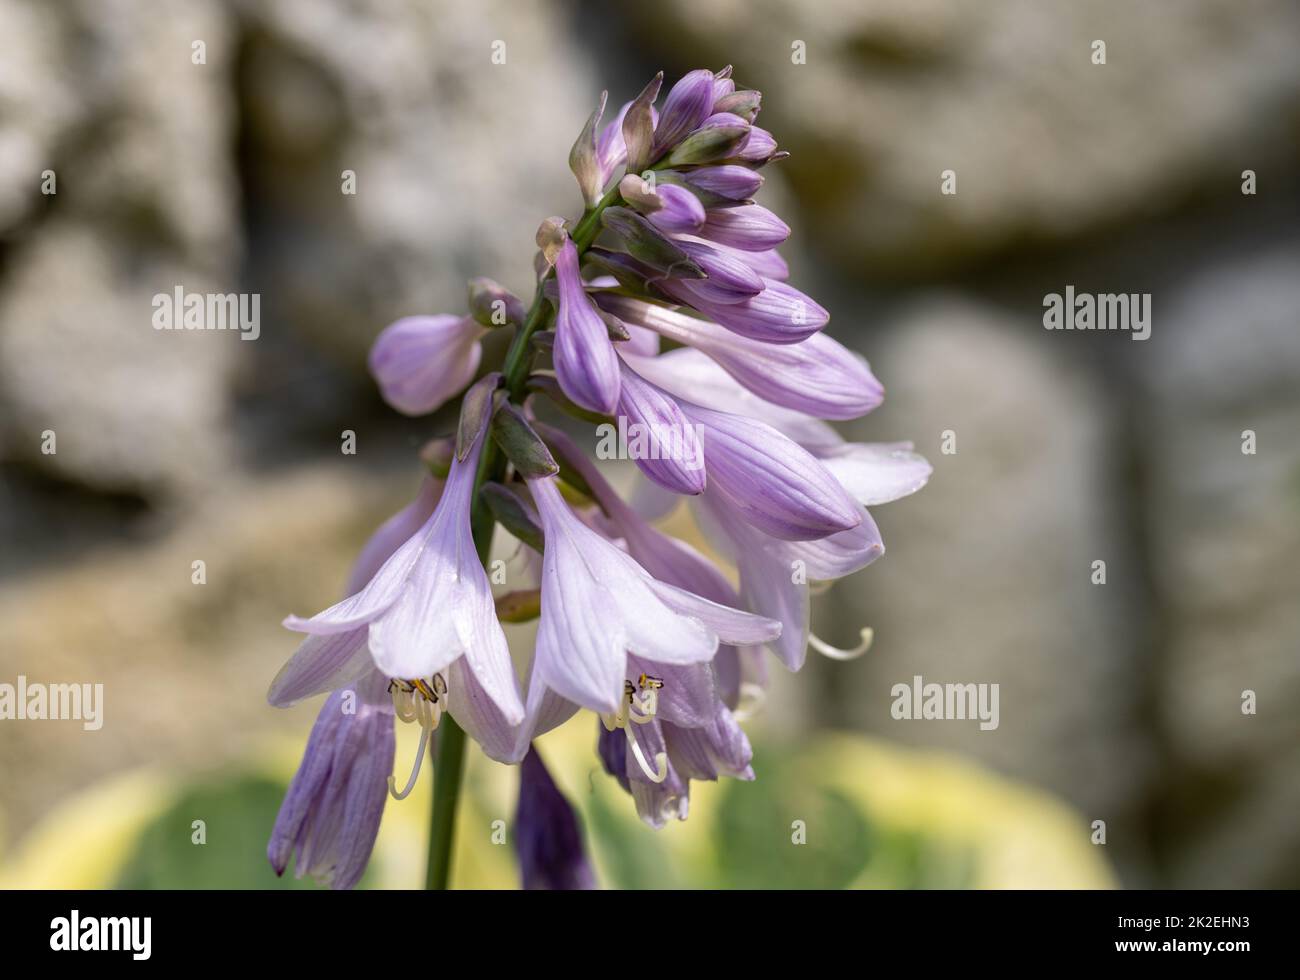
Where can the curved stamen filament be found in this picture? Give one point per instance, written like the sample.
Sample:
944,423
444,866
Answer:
840,653
417,701
426,736
660,771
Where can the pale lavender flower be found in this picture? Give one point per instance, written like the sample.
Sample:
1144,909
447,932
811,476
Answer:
768,584
666,447
548,834
779,314
777,485
430,606
693,725
421,362
599,606
818,376
871,472
585,362
330,816
706,752
330,661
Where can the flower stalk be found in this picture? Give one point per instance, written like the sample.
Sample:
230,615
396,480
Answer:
449,762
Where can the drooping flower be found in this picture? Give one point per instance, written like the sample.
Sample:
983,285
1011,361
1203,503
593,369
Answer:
778,486
818,376
871,473
691,732
421,362
598,606
330,815
548,834
429,613
331,661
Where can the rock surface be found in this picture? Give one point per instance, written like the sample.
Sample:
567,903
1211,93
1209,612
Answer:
1225,533
987,572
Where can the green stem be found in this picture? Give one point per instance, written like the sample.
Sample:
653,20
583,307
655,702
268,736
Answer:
450,761
446,793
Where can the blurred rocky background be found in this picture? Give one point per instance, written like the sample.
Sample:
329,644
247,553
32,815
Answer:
227,176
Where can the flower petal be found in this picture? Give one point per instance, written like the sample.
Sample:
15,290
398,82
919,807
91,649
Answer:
420,362
730,625
877,472
320,664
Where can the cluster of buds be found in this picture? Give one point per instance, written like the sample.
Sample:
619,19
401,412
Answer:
634,625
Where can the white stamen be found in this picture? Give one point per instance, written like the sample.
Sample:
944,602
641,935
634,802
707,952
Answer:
839,653
412,705
426,736
661,760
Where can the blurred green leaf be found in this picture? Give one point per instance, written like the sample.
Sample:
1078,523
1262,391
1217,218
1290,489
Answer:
753,837
238,812
632,855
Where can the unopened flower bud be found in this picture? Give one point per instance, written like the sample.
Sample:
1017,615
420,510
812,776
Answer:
583,158
688,104
681,214
492,305
639,127
646,243
730,182
752,228
638,192
721,136
551,237
744,104
522,446
421,362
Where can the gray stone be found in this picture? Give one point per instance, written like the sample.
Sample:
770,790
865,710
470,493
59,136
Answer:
1225,534
456,159
145,202
987,572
